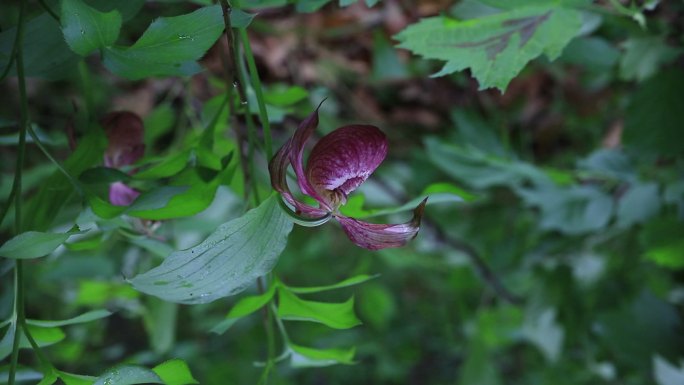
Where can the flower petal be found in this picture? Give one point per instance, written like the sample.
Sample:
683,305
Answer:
121,195
297,143
125,132
376,236
343,159
277,168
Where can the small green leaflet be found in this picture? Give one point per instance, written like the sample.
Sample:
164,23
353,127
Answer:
225,263
495,47
33,244
175,372
301,356
86,29
85,317
244,307
334,315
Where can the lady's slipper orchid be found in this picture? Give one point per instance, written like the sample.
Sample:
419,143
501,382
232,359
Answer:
337,165
125,133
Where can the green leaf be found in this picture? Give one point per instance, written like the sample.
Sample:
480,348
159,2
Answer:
7,341
572,210
76,379
85,317
667,374
543,331
496,47
170,46
302,356
644,56
43,336
346,283
663,239
160,323
225,263
99,174
49,379
46,54
334,315
653,120
33,244
244,307
240,18
638,204
128,375
175,372
168,166
87,29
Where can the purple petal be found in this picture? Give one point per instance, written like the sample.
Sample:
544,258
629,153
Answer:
297,143
121,195
125,132
278,170
376,236
343,159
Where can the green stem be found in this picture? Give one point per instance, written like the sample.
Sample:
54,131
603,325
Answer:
49,10
46,365
72,180
256,85
16,186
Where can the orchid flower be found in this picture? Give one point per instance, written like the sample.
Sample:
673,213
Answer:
339,162
125,133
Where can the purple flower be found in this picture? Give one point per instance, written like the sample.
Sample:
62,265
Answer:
125,133
337,165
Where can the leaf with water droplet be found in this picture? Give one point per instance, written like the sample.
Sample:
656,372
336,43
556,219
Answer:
225,263
128,375
86,29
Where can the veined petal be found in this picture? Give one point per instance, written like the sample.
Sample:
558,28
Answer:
121,195
125,132
374,236
298,141
277,168
343,159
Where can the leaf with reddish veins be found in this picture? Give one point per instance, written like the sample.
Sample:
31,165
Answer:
125,132
374,236
344,159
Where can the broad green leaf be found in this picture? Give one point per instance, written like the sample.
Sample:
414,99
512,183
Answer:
542,330
49,379
46,54
572,210
653,118
667,374
160,323
175,372
334,315
302,356
98,293
225,263
240,18
33,244
638,204
85,317
127,8
170,46
128,375
76,379
644,56
7,341
281,95
345,283
244,307
103,175
43,336
168,166
497,47
87,29
663,239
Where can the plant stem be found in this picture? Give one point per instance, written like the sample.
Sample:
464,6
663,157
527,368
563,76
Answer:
16,187
41,146
49,10
256,85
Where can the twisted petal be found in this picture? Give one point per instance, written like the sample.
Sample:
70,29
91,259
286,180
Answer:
376,236
297,143
278,170
343,159
121,195
125,132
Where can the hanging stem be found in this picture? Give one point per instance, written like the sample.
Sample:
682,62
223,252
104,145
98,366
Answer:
18,311
256,85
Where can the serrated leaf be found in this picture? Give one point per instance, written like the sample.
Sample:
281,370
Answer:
170,46
33,244
345,283
302,356
496,47
175,372
128,375
87,29
225,263
85,317
334,315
